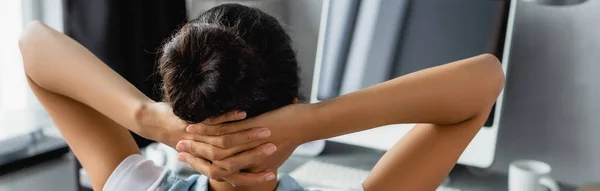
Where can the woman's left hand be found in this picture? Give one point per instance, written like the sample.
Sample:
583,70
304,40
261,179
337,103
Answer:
160,124
288,127
157,122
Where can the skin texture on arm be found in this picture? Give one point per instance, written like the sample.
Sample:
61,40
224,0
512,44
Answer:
54,61
98,142
424,157
93,106
58,64
443,95
450,102
448,96
454,100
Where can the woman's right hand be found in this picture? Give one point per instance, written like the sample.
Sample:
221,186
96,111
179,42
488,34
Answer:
288,128
159,123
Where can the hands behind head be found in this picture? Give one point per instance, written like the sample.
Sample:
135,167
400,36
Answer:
245,152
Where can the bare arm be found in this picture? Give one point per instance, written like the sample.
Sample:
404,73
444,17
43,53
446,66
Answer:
453,101
443,95
450,101
60,65
70,83
93,106
424,156
99,143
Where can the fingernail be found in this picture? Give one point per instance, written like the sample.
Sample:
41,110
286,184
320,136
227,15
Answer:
270,149
181,157
264,133
241,114
180,146
269,177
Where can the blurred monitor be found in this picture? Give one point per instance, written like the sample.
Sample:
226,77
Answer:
366,42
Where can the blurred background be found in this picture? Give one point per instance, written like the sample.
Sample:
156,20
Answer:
550,112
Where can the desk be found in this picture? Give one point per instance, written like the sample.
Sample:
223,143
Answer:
461,177
59,174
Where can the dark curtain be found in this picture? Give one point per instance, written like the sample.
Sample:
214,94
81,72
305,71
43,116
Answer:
126,35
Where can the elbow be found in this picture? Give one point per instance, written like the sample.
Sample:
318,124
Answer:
29,34
28,58
495,77
29,43
492,83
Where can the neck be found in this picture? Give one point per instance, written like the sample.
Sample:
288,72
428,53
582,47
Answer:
215,185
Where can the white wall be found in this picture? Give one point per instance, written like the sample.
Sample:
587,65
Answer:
303,24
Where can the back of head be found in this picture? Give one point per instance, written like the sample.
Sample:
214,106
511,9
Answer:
231,57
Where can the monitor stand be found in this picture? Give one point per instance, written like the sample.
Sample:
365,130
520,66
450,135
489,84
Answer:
30,149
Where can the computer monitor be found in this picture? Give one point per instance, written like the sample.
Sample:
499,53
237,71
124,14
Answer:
366,42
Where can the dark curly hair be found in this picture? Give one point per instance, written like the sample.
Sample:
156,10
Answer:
231,57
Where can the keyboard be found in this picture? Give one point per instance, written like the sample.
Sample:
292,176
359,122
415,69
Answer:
316,175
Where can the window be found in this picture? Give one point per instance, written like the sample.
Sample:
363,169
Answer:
20,112
14,92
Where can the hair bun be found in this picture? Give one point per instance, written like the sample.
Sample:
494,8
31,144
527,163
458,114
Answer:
232,57
203,68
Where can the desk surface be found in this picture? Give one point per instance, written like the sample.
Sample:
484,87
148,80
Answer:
462,177
59,174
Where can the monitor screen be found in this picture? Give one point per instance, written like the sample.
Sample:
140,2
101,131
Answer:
436,32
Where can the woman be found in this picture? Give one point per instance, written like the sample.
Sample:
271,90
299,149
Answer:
232,63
